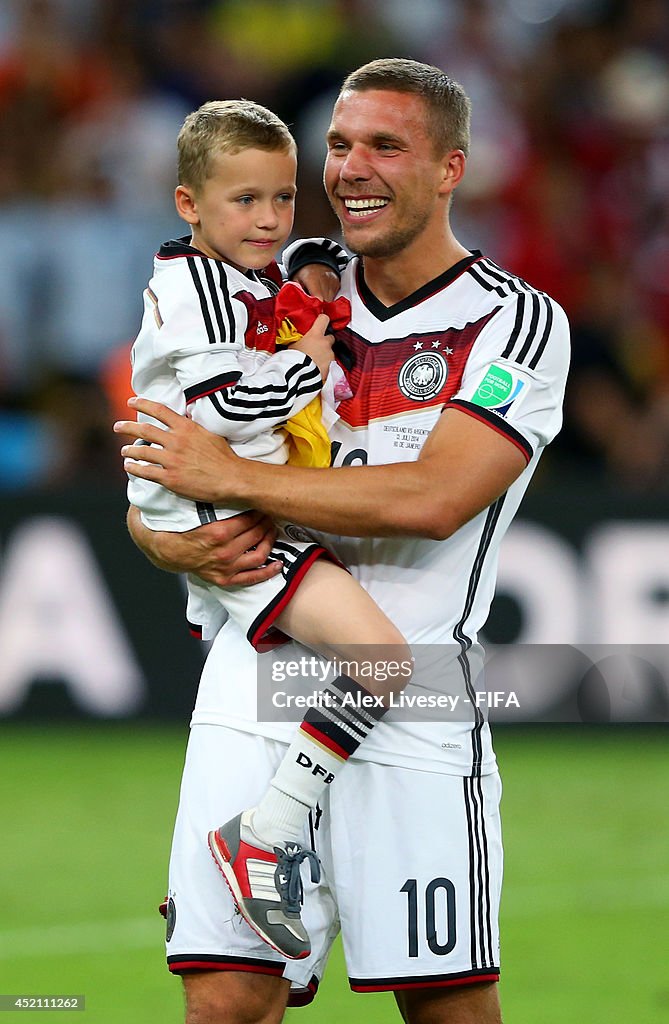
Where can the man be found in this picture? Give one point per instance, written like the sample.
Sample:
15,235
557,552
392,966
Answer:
458,372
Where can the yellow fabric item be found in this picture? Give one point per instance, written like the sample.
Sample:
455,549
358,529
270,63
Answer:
308,441
287,333
307,437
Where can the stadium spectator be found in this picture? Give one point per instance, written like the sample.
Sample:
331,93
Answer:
571,101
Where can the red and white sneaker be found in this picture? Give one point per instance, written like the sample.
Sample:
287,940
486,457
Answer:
265,883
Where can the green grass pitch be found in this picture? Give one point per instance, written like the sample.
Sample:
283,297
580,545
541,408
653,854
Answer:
87,815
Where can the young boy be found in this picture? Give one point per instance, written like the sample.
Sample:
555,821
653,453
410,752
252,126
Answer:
207,345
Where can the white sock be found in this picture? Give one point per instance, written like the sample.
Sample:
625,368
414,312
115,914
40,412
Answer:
305,772
323,744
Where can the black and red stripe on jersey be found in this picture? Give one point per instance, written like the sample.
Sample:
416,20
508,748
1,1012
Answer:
374,376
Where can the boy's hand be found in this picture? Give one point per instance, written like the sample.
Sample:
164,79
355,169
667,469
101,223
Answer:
317,344
318,280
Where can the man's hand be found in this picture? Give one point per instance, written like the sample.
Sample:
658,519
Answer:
318,280
228,553
185,458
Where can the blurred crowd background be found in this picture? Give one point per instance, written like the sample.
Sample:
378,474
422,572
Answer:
568,187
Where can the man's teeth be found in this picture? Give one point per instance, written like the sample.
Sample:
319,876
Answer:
360,207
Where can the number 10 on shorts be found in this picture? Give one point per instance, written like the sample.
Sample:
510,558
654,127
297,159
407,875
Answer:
438,905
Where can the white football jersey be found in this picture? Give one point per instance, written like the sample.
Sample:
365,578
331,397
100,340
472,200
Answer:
207,346
476,339
204,347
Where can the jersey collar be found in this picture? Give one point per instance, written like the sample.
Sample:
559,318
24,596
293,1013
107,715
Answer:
182,247
382,312
178,247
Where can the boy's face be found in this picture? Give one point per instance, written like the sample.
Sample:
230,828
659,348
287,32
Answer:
244,213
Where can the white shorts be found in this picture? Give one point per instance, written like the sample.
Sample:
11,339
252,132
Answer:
254,609
412,872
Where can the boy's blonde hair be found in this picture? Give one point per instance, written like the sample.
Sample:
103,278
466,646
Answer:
226,126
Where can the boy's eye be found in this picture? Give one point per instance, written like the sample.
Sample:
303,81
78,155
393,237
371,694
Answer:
245,200
286,197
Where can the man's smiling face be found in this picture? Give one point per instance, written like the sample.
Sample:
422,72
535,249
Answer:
382,174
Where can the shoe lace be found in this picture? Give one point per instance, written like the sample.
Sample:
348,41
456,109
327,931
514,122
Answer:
287,877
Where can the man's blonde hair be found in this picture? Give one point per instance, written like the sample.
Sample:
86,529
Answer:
448,106
226,126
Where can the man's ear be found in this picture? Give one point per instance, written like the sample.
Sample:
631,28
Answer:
452,169
186,204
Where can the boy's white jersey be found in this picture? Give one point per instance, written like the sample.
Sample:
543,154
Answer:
204,347
207,346
477,340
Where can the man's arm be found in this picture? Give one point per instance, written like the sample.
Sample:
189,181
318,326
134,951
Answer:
463,467
230,552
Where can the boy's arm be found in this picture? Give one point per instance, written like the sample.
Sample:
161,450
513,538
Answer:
316,264
224,391
240,406
308,252
318,280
